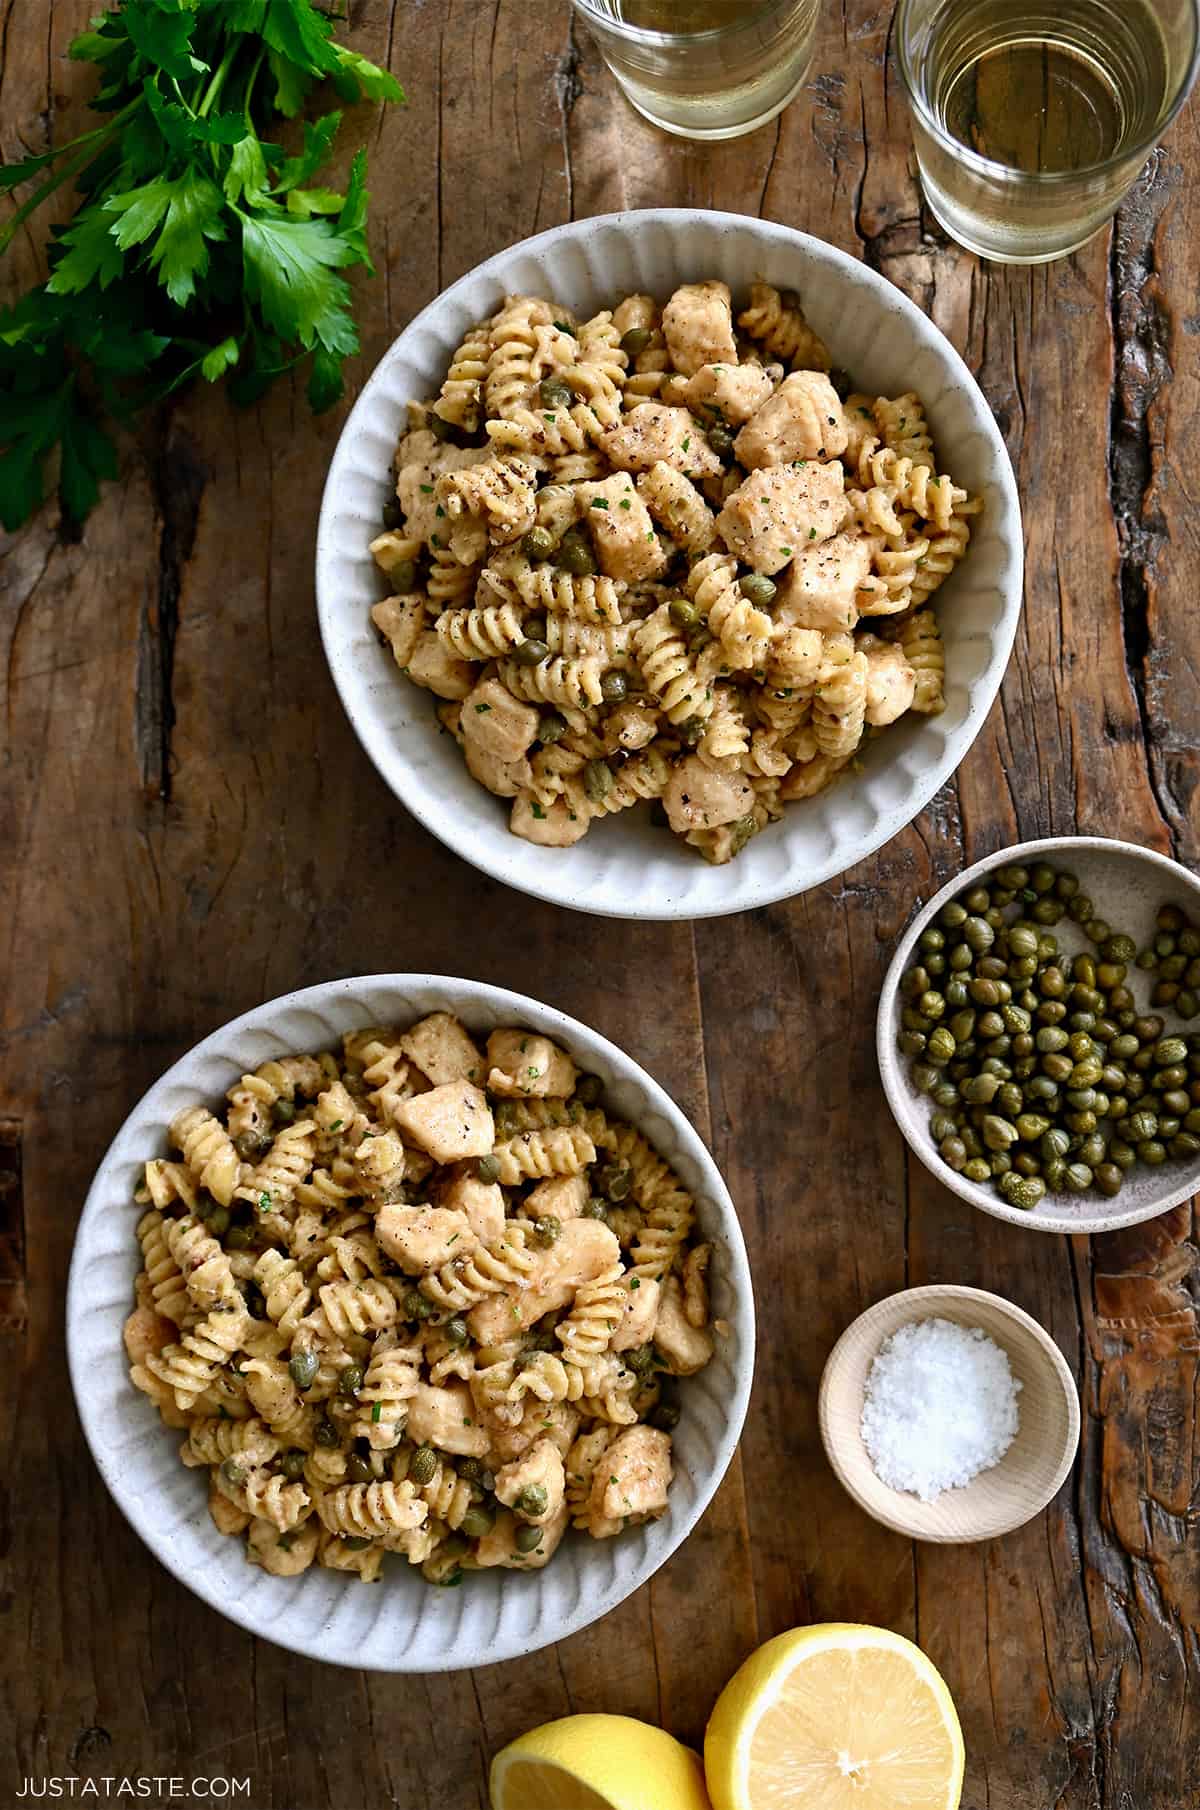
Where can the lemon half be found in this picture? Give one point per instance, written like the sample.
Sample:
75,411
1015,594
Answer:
834,1717
597,1763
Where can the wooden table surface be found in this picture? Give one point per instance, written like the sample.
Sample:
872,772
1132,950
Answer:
190,827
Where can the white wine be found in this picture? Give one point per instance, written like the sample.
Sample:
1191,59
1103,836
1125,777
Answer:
1062,98
1049,88
706,68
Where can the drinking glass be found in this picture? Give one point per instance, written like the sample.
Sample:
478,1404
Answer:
705,68
1032,118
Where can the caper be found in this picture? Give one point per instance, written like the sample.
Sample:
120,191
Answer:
1077,1178
1030,1126
350,1379
358,1469
615,1180
1187,1003
488,1169
1047,911
554,393
532,1501
292,1464
477,1521
527,1539
760,590
953,1152
978,1169
1024,1191
690,730
1184,1145
664,1416
1091,1151
720,439
216,1220
998,1134
1009,1099
1170,1050
683,612
941,1046
530,652
634,342
414,1306
546,1229
575,556
538,544
551,727
327,1434
979,1090
303,1367
597,780
1109,1179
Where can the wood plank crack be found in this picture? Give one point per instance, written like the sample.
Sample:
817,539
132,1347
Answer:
179,482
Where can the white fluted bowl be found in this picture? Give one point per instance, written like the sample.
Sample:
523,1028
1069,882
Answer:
401,1624
624,867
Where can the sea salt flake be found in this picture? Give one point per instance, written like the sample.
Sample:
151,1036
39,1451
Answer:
940,1406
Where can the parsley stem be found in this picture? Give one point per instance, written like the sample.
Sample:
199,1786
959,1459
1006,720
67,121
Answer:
88,146
218,81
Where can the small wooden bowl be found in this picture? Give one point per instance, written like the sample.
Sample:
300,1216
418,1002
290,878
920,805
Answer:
1037,1462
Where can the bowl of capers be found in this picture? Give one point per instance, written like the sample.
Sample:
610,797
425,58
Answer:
1039,1034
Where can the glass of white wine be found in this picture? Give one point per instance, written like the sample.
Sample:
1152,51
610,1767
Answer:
705,68
1032,118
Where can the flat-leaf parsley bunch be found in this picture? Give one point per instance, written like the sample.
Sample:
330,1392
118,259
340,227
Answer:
198,248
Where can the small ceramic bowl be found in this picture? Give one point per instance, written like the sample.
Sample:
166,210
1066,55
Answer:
1127,885
399,1624
1037,1462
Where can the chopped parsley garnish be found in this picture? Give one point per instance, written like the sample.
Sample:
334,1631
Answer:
599,502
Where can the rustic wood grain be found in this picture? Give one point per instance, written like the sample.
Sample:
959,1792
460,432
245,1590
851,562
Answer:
188,827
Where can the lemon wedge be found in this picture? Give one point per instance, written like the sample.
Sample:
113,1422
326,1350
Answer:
597,1763
834,1717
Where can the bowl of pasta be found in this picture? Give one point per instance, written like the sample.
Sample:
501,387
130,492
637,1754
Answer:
416,1282
668,564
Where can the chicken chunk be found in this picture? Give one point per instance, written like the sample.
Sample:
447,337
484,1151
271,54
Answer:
700,796
443,1049
539,1470
548,825
736,391
683,1348
481,1204
282,1554
821,590
431,664
445,1417
499,1547
581,1252
891,681
802,420
146,1333
497,730
638,1316
622,529
421,1239
779,510
449,1122
634,1475
522,1064
400,621
631,725
427,459
698,327
562,1196
652,434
